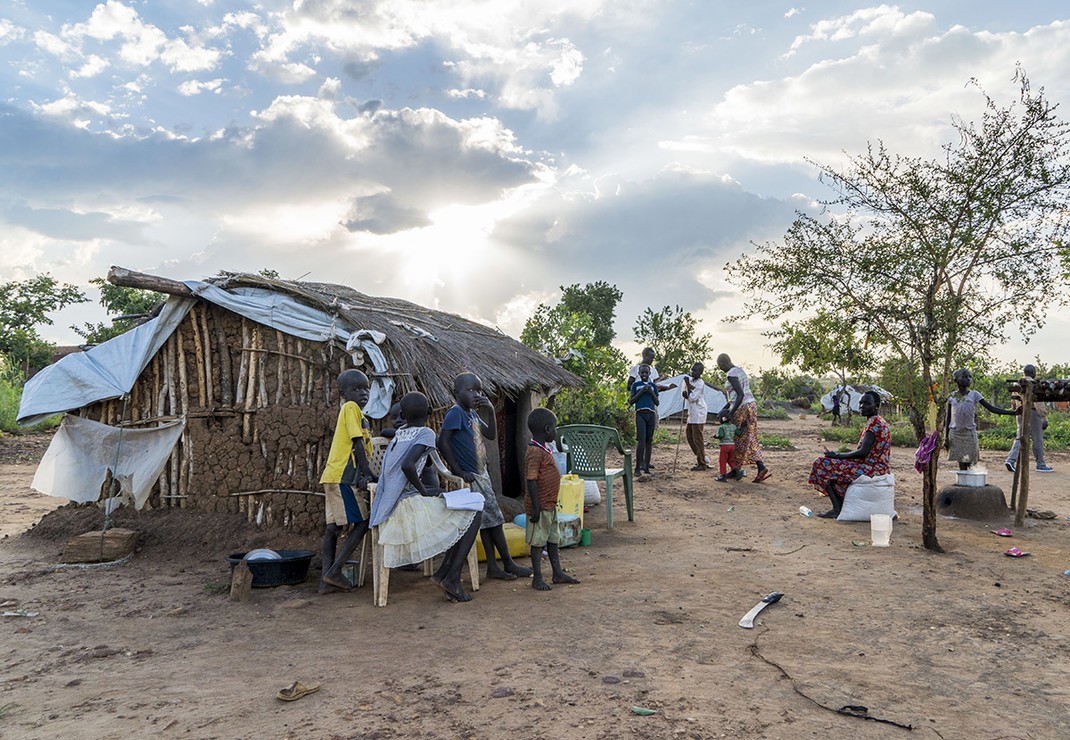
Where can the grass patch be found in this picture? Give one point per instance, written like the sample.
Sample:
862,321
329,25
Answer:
666,435
1000,436
902,432
774,442
213,588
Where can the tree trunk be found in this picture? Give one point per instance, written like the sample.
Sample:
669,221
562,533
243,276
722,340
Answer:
928,474
928,495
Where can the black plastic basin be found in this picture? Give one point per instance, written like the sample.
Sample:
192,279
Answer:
289,570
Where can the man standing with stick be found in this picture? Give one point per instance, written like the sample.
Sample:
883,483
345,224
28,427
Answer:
693,391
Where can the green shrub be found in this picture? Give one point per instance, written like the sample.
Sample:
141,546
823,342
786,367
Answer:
666,433
10,398
1001,436
10,395
774,442
603,405
766,411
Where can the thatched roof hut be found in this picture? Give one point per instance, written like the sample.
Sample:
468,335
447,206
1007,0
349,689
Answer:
429,348
247,364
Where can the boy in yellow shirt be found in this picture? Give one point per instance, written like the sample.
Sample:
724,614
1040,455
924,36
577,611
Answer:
347,468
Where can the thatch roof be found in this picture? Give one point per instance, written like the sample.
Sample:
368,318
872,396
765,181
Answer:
433,346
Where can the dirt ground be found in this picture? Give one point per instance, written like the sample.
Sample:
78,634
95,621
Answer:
966,644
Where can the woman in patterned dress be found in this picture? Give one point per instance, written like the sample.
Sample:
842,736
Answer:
834,472
742,410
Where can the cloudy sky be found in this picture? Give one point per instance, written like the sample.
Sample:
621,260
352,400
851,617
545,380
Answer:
474,155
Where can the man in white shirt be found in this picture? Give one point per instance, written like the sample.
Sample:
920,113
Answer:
694,393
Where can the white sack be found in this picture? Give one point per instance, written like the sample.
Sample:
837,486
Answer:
591,494
867,496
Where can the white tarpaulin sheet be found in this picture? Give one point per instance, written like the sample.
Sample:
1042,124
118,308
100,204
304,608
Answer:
672,401
274,309
289,315
856,397
82,451
110,370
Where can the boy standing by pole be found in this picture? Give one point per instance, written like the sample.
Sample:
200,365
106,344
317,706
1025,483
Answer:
543,484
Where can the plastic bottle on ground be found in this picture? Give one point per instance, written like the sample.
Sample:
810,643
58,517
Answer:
805,511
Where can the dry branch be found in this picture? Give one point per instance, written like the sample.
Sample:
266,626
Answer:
129,279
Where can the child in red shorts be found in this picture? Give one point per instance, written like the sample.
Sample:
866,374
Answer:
726,435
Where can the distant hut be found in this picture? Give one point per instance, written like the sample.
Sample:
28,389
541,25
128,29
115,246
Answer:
249,363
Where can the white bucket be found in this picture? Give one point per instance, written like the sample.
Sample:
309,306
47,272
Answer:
880,529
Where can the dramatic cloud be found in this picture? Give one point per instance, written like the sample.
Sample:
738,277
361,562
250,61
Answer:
471,156
906,82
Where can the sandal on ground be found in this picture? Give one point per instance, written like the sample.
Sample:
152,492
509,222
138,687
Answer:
764,475
830,514
723,478
296,690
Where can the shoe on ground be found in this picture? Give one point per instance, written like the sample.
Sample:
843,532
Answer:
1045,469
1010,466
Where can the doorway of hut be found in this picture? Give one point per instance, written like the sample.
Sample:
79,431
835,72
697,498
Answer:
509,443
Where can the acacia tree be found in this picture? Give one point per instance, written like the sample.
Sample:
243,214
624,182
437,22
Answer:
671,333
825,342
936,258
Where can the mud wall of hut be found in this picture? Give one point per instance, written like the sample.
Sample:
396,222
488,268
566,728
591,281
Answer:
260,408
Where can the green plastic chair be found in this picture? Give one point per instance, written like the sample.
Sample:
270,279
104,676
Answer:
586,445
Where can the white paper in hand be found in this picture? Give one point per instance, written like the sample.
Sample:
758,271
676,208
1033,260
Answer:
464,498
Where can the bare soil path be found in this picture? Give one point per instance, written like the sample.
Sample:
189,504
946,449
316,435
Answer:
967,644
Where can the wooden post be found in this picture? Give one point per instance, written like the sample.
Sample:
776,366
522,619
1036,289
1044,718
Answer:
226,389
1014,486
1028,392
129,279
198,350
241,582
209,377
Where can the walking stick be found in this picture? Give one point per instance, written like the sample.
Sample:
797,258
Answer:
679,434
